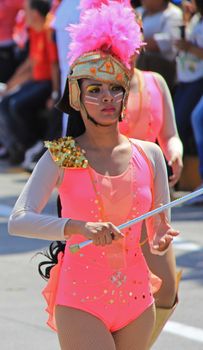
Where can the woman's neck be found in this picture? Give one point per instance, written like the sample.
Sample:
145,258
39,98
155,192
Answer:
102,138
153,11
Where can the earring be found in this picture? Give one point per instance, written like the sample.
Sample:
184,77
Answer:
123,114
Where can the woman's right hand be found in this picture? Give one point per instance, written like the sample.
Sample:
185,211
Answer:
101,233
188,9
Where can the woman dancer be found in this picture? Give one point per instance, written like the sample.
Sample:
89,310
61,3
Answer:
102,297
150,117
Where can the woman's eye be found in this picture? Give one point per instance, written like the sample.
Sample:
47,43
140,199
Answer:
117,88
93,89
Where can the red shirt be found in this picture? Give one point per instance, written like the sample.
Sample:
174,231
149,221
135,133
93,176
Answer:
43,52
8,12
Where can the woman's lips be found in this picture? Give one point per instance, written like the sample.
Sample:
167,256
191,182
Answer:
109,109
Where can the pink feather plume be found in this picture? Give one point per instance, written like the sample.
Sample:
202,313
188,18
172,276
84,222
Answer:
89,4
112,27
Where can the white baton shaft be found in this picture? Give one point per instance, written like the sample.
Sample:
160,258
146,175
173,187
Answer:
75,247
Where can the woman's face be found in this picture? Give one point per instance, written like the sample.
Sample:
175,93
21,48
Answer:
103,101
29,14
153,5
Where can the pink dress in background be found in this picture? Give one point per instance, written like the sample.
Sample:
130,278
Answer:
144,117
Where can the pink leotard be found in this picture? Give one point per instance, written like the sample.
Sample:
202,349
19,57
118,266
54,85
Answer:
144,117
110,282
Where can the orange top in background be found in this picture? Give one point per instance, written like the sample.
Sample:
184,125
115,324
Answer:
43,52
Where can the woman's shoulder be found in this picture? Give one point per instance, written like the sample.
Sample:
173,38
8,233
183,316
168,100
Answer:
145,144
66,153
152,75
159,79
173,10
151,149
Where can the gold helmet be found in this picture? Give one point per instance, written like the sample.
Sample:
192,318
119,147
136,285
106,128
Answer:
105,55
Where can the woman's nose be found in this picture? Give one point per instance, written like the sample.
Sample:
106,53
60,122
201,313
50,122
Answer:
107,97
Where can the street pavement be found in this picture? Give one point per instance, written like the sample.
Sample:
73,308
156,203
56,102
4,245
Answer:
22,315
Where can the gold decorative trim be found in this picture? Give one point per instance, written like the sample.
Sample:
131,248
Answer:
66,153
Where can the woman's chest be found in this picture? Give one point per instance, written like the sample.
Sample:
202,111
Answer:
90,195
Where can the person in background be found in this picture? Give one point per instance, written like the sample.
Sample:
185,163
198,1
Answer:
188,10
150,116
34,84
197,125
66,12
10,54
53,124
161,21
190,75
20,31
8,48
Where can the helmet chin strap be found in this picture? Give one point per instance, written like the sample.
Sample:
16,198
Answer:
87,116
92,120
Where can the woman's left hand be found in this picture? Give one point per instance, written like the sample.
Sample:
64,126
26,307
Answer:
176,164
183,45
163,236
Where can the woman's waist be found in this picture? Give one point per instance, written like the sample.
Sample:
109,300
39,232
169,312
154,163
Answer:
131,237
116,256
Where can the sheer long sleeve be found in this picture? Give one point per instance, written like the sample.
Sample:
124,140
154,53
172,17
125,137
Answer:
26,219
159,223
168,137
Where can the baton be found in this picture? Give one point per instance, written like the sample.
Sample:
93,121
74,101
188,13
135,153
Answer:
74,248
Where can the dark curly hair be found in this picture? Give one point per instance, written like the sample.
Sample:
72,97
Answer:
44,267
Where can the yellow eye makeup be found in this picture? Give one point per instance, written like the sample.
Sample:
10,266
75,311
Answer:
93,88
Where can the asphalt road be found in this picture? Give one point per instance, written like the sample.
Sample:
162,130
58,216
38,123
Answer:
22,316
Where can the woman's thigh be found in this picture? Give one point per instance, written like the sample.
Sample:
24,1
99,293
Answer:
137,334
79,330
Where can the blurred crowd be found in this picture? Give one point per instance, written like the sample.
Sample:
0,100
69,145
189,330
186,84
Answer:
34,67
